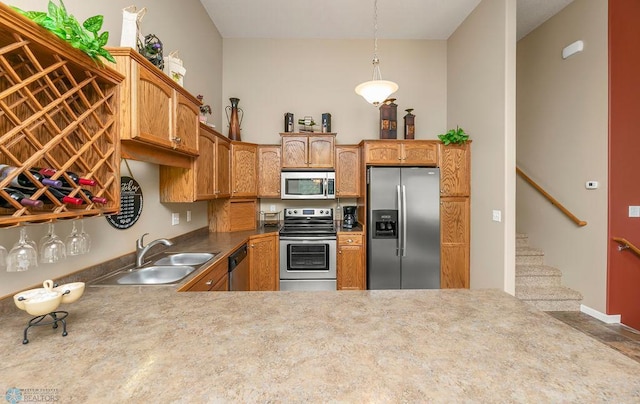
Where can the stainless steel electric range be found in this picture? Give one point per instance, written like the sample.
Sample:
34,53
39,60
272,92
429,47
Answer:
308,249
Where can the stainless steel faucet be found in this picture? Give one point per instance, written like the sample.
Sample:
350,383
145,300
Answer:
142,249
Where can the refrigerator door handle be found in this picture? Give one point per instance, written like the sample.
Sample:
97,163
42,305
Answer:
400,224
404,221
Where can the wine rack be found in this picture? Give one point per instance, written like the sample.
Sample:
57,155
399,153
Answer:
58,109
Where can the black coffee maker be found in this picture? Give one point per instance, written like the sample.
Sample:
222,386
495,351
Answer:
349,217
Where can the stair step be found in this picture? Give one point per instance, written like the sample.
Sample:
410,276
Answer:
522,240
555,298
529,256
537,275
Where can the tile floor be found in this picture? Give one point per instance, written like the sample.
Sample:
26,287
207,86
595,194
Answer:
617,336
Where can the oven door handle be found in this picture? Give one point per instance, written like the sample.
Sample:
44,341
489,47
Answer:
307,239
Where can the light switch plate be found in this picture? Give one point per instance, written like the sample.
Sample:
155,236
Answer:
591,185
175,219
634,211
188,216
497,216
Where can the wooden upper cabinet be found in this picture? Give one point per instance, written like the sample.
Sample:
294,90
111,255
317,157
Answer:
455,169
401,152
205,167
206,178
269,171
158,117
223,167
347,171
187,123
301,150
244,164
418,153
154,124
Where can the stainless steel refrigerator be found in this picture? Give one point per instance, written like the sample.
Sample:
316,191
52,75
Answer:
403,228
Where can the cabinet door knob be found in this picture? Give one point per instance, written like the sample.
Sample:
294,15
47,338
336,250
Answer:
349,241
209,282
253,246
177,139
340,252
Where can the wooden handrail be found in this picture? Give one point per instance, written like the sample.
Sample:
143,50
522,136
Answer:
550,198
624,244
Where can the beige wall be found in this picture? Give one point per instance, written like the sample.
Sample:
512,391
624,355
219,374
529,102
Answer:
481,97
562,143
176,24
310,77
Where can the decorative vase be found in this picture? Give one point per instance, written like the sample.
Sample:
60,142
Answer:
388,119
409,125
233,120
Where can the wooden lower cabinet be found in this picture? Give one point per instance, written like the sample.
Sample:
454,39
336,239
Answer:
215,279
351,269
454,242
264,262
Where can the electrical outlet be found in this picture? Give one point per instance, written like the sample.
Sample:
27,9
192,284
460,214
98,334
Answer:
188,216
175,219
272,208
497,216
634,211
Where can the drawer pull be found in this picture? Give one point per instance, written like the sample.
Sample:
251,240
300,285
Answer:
209,282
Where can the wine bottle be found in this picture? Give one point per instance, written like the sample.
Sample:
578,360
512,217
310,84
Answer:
89,194
22,181
63,196
21,198
48,172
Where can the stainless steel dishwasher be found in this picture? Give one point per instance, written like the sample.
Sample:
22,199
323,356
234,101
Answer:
239,269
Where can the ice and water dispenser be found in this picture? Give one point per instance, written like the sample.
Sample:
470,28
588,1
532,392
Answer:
385,223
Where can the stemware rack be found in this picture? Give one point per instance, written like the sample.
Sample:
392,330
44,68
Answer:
58,109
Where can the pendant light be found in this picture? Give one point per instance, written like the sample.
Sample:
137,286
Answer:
377,90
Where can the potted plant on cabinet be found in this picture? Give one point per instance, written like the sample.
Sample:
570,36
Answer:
204,109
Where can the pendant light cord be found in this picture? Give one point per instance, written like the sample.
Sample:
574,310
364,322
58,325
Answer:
377,75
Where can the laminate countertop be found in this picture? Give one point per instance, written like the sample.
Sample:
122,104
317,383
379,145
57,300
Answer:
154,344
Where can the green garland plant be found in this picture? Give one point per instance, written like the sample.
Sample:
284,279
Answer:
84,37
455,136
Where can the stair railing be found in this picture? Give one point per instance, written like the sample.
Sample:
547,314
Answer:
625,244
550,198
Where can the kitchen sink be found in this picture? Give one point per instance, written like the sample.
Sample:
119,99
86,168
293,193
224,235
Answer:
167,269
185,259
155,275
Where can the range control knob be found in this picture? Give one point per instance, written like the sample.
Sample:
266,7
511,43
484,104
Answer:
321,212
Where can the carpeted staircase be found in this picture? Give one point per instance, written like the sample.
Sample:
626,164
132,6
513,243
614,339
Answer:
540,285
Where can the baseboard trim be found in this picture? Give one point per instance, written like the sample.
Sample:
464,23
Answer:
605,318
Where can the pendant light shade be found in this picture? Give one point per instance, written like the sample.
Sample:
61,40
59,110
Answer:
376,91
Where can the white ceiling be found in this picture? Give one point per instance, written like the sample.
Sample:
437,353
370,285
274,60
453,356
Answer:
353,19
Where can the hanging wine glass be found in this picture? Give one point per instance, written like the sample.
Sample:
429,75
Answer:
86,238
52,248
22,256
3,256
74,242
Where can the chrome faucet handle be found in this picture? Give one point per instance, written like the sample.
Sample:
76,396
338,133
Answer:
140,241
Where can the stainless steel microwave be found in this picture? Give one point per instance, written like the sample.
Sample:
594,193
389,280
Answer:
308,185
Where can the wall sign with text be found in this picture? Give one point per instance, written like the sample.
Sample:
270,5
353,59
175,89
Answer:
131,202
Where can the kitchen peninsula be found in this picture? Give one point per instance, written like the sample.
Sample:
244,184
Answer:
154,344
